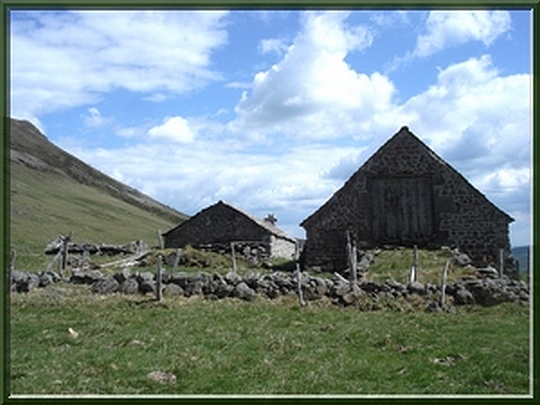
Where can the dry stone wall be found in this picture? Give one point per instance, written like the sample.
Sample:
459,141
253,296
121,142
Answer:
365,295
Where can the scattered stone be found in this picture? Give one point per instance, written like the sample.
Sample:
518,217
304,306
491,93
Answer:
162,377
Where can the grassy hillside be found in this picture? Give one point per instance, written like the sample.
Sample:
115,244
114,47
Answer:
52,192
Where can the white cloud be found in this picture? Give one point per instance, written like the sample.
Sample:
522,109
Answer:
272,45
473,105
450,28
84,54
94,119
175,129
312,85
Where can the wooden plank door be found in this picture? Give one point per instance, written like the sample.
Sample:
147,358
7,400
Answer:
402,210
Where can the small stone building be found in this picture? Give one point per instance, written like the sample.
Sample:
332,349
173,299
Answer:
222,224
405,195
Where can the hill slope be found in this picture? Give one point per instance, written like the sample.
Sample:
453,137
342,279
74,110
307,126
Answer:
53,192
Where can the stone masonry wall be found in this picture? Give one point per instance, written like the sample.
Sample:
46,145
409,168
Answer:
462,216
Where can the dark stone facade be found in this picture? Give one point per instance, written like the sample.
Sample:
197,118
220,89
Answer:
221,224
406,195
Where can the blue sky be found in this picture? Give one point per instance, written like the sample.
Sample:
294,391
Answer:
272,111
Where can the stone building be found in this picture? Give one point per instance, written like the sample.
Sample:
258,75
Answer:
405,195
222,224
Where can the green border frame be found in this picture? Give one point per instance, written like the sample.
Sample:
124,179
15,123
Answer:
6,5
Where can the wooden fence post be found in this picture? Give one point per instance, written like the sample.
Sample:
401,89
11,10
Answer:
64,250
159,271
352,258
301,301
235,269
413,276
443,283
176,260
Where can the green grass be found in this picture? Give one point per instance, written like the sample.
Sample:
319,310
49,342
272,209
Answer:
396,264
265,347
45,204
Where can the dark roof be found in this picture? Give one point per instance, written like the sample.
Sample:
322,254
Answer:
271,228
403,132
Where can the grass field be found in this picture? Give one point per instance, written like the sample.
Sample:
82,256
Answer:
265,347
44,205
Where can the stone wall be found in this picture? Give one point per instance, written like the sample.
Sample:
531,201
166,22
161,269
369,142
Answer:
222,224
434,206
366,295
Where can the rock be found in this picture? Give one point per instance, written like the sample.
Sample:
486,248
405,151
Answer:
462,296
233,278
162,377
252,280
147,286
340,289
129,286
122,275
433,306
18,276
28,284
488,271
462,259
194,287
180,279
107,285
173,289
145,276
242,291
48,277
416,288
224,290
81,277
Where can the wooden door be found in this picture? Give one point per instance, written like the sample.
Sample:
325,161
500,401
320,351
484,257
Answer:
402,210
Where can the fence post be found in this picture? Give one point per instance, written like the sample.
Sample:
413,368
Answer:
176,260
443,283
64,250
159,271
235,269
301,301
413,276
352,256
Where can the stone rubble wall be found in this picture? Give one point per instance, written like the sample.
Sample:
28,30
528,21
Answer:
366,295
463,217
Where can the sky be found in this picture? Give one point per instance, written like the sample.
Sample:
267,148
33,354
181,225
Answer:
273,110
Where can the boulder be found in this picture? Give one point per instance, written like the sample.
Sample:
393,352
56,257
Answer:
416,288
122,275
180,279
18,276
224,290
147,286
129,286
233,278
462,296
107,285
242,291
173,289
